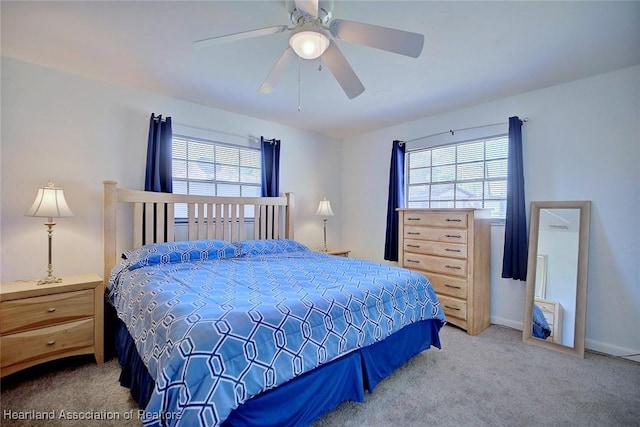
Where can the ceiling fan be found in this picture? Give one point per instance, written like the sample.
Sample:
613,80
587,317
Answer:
313,36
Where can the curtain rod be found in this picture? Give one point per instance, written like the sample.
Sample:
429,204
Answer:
251,138
159,118
453,131
272,141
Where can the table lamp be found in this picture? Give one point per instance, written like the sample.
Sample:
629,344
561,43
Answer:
324,209
50,203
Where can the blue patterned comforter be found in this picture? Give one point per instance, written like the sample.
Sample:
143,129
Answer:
218,323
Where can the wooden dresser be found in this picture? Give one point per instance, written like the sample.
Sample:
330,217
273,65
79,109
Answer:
39,323
452,248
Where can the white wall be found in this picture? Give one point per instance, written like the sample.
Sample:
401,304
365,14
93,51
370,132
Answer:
81,132
582,142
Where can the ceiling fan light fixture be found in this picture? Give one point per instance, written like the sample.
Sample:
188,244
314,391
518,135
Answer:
308,43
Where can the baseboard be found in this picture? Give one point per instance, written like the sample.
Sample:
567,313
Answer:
612,350
589,344
506,322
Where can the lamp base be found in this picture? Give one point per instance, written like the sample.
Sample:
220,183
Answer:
324,246
49,279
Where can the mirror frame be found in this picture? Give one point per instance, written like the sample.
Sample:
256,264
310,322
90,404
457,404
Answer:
583,260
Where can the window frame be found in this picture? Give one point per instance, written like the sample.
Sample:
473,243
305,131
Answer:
214,164
503,137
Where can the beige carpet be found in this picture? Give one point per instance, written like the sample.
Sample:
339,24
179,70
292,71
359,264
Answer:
492,379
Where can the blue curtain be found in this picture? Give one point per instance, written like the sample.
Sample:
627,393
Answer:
158,175
514,262
396,200
270,167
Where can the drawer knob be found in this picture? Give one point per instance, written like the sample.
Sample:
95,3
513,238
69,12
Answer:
52,342
413,246
452,250
455,267
413,260
452,286
451,308
414,233
51,309
413,219
455,236
453,220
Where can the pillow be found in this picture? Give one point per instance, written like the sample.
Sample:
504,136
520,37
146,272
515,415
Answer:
177,252
264,247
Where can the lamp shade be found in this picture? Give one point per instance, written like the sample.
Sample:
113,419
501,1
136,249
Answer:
324,208
50,203
308,43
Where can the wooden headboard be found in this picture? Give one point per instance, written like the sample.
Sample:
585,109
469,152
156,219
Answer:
208,217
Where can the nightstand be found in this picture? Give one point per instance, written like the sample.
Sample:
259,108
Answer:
39,323
337,252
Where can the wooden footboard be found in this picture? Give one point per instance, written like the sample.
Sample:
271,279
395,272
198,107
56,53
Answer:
207,217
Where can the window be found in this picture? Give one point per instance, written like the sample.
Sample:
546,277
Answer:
211,168
466,175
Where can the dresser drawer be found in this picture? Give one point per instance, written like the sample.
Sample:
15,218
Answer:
448,285
435,234
452,250
436,219
453,307
29,313
44,342
449,266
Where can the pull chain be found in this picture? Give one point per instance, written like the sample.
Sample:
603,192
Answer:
299,62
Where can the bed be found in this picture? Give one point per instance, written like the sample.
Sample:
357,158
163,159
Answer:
224,319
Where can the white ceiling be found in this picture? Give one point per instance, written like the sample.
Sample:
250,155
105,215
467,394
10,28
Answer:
474,52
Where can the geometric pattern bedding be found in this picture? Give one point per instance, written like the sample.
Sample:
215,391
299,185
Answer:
217,323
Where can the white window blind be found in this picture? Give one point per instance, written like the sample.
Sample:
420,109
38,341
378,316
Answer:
471,174
211,168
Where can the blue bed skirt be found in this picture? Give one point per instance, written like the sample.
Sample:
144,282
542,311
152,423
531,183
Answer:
310,395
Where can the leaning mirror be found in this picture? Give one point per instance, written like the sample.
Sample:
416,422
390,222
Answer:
556,295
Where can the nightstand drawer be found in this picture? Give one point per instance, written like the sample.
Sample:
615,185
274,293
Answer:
546,307
44,342
29,313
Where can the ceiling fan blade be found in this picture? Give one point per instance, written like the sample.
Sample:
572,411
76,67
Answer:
214,41
389,39
309,7
342,71
276,72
